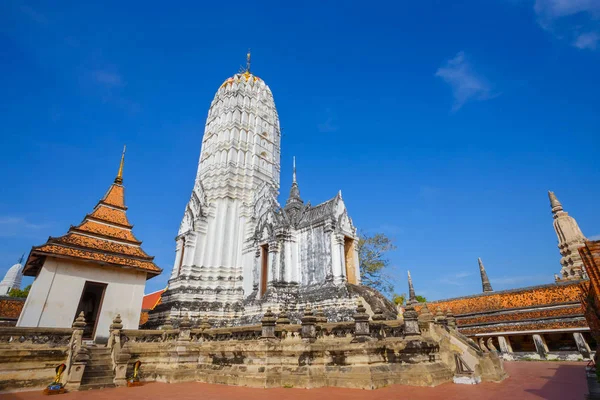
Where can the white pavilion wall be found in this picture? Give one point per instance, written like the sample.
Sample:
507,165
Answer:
56,291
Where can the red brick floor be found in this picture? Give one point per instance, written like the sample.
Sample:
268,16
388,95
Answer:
528,380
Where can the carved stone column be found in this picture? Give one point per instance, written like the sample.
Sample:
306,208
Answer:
328,230
540,345
411,321
504,343
440,318
361,323
268,324
308,330
582,345
79,355
273,263
120,356
339,270
283,319
190,249
425,317
184,329
255,270
450,319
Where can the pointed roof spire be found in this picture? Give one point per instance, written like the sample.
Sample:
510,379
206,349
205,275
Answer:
248,61
294,173
411,291
554,203
485,282
21,259
119,178
294,198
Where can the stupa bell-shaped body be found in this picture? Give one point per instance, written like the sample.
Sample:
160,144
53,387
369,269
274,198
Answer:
12,279
570,238
239,156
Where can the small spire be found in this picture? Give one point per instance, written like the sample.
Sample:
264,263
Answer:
248,61
485,282
294,198
21,259
119,178
411,291
554,203
294,173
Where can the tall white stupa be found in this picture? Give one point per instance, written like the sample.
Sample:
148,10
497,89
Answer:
12,278
237,250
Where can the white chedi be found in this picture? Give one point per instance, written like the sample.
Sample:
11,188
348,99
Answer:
12,279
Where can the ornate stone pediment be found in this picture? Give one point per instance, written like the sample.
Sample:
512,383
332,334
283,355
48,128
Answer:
195,210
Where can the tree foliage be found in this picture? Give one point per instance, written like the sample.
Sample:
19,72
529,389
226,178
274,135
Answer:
372,250
398,299
19,292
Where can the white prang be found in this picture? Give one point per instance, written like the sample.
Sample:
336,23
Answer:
12,279
240,153
570,238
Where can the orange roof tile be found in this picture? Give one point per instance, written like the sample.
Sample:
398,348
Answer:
508,299
104,237
111,215
115,196
54,249
151,300
80,240
107,230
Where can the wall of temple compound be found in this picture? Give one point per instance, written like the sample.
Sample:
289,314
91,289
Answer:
539,322
57,290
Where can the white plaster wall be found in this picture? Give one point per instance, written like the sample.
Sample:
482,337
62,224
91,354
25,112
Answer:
56,291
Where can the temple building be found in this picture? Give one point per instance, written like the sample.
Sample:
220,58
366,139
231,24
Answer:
545,321
238,250
12,279
97,268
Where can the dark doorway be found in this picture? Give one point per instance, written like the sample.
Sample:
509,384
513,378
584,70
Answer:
91,304
264,270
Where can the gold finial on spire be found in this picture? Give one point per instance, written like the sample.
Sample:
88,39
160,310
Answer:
248,61
119,178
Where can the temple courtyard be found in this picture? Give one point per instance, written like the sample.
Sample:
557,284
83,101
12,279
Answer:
528,380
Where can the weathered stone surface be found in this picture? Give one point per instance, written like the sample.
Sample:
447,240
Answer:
28,356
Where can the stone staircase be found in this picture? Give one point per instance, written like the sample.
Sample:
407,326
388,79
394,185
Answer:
98,372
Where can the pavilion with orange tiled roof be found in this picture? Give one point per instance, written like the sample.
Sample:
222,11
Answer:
99,258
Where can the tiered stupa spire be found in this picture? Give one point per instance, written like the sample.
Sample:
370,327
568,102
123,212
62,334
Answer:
294,200
570,238
485,282
104,236
412,298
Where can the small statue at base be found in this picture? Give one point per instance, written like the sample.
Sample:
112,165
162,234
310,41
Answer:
134,380
56,387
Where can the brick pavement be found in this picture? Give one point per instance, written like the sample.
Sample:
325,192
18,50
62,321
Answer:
528,380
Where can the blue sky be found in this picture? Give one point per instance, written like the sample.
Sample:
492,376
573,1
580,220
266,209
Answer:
444,125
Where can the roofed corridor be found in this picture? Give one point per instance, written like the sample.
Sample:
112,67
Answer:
528,380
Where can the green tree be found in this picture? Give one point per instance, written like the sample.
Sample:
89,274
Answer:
372,251
398,299
19,292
